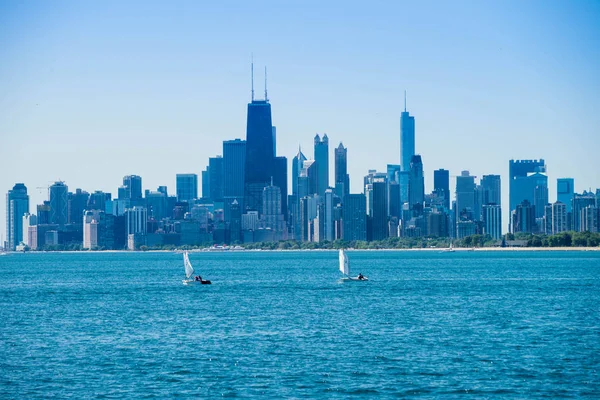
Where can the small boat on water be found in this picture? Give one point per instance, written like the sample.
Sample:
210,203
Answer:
449,249
189,271
345,269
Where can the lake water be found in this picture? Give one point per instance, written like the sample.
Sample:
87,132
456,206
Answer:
280,325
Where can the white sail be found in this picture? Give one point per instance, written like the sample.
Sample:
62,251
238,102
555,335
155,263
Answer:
344,268
189,270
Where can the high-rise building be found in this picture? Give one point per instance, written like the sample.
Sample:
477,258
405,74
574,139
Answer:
521,187
492,220
77,203
491,190
132,185
260,152
407,138
234,164
354,217
58,203
280,179
206,183
559,217
29,220
137,218
523,218
342,179
187,187
565,191
322,163
17,205
215,170
441,185
416,185
156,203
581,201
376,197
297,166
465,196
589,220
271,217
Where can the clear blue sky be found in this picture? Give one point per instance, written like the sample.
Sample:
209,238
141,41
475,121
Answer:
93,91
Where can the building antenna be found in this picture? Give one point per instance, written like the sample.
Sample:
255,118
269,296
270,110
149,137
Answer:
405,101
252,74
266,98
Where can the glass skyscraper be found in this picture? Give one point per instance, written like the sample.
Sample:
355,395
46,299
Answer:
260,153
407,139
59,203
441,185
565,191
322,161
187,187
342,179
522,185
234,164
17,205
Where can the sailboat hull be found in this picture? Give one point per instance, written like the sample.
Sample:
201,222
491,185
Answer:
355,279
195,282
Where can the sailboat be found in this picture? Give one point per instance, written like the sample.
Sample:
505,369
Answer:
449,249
345,269
189,271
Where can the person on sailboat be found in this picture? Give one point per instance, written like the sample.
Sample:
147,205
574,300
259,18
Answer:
360,276
198,278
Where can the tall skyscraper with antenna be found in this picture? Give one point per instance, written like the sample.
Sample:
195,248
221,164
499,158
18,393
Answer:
407,138
260,149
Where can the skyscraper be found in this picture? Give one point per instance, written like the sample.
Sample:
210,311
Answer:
187,187
297,165
559,217
376,197
465,196
565,191
322,161
520,186
441,185
206,183
133,187
491,188
354,217
77,203
342,179
416,184
271,217
407,138
58,203
492,220
215,170
260,152
280,179
234,164
17,205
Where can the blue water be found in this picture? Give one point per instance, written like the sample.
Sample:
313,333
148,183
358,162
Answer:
278,324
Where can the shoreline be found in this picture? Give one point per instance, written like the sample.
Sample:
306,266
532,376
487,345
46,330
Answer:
428,249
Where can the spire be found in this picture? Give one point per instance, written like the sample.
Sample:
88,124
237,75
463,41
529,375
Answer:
405,101
266,97
252,74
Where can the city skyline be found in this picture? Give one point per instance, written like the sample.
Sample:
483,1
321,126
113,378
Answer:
53,97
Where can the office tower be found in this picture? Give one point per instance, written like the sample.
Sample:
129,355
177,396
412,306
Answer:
136,218
404,182
523,218
215,170
394,204
322,163
354,217
234,164
156,203
260,150
407,138
43,213
465,196
376,197
132,185
565,191
308,186
280,179
98,230
441,185
58,203
17,205
589,220
492,220
187,187
521,187
342,179
76,204
297,166
416,184
539,182
491,190
99,199
559,218
392,172
581,201
328,220
271,217
206,183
